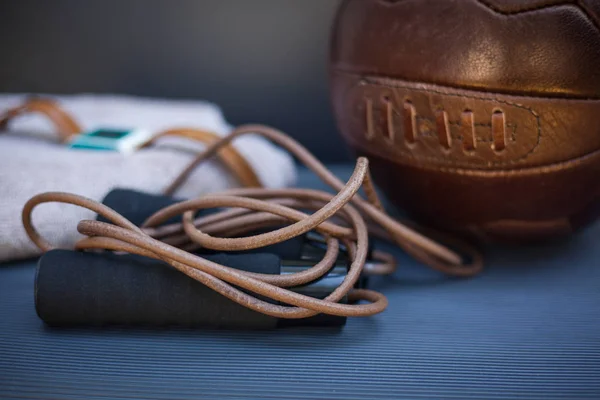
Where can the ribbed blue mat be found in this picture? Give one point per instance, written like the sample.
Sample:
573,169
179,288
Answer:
528,328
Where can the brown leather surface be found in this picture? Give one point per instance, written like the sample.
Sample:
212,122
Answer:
555,202
475,113
539,130
549,48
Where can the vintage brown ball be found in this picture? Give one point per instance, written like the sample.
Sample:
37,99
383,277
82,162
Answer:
475,114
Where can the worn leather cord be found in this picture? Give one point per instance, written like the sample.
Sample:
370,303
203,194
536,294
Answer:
426,250
229,155
65,126
344,217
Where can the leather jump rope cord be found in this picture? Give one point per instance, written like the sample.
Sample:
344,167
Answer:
386,264
247,208
231,158
125,236
234,222
67,127
426,250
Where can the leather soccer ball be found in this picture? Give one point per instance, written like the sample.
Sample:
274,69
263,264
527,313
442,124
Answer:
475,114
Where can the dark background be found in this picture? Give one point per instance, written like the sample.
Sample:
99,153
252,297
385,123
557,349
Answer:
262,61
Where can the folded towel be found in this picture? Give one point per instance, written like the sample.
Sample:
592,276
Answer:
31,162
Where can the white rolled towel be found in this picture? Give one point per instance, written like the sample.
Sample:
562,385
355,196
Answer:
31,162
